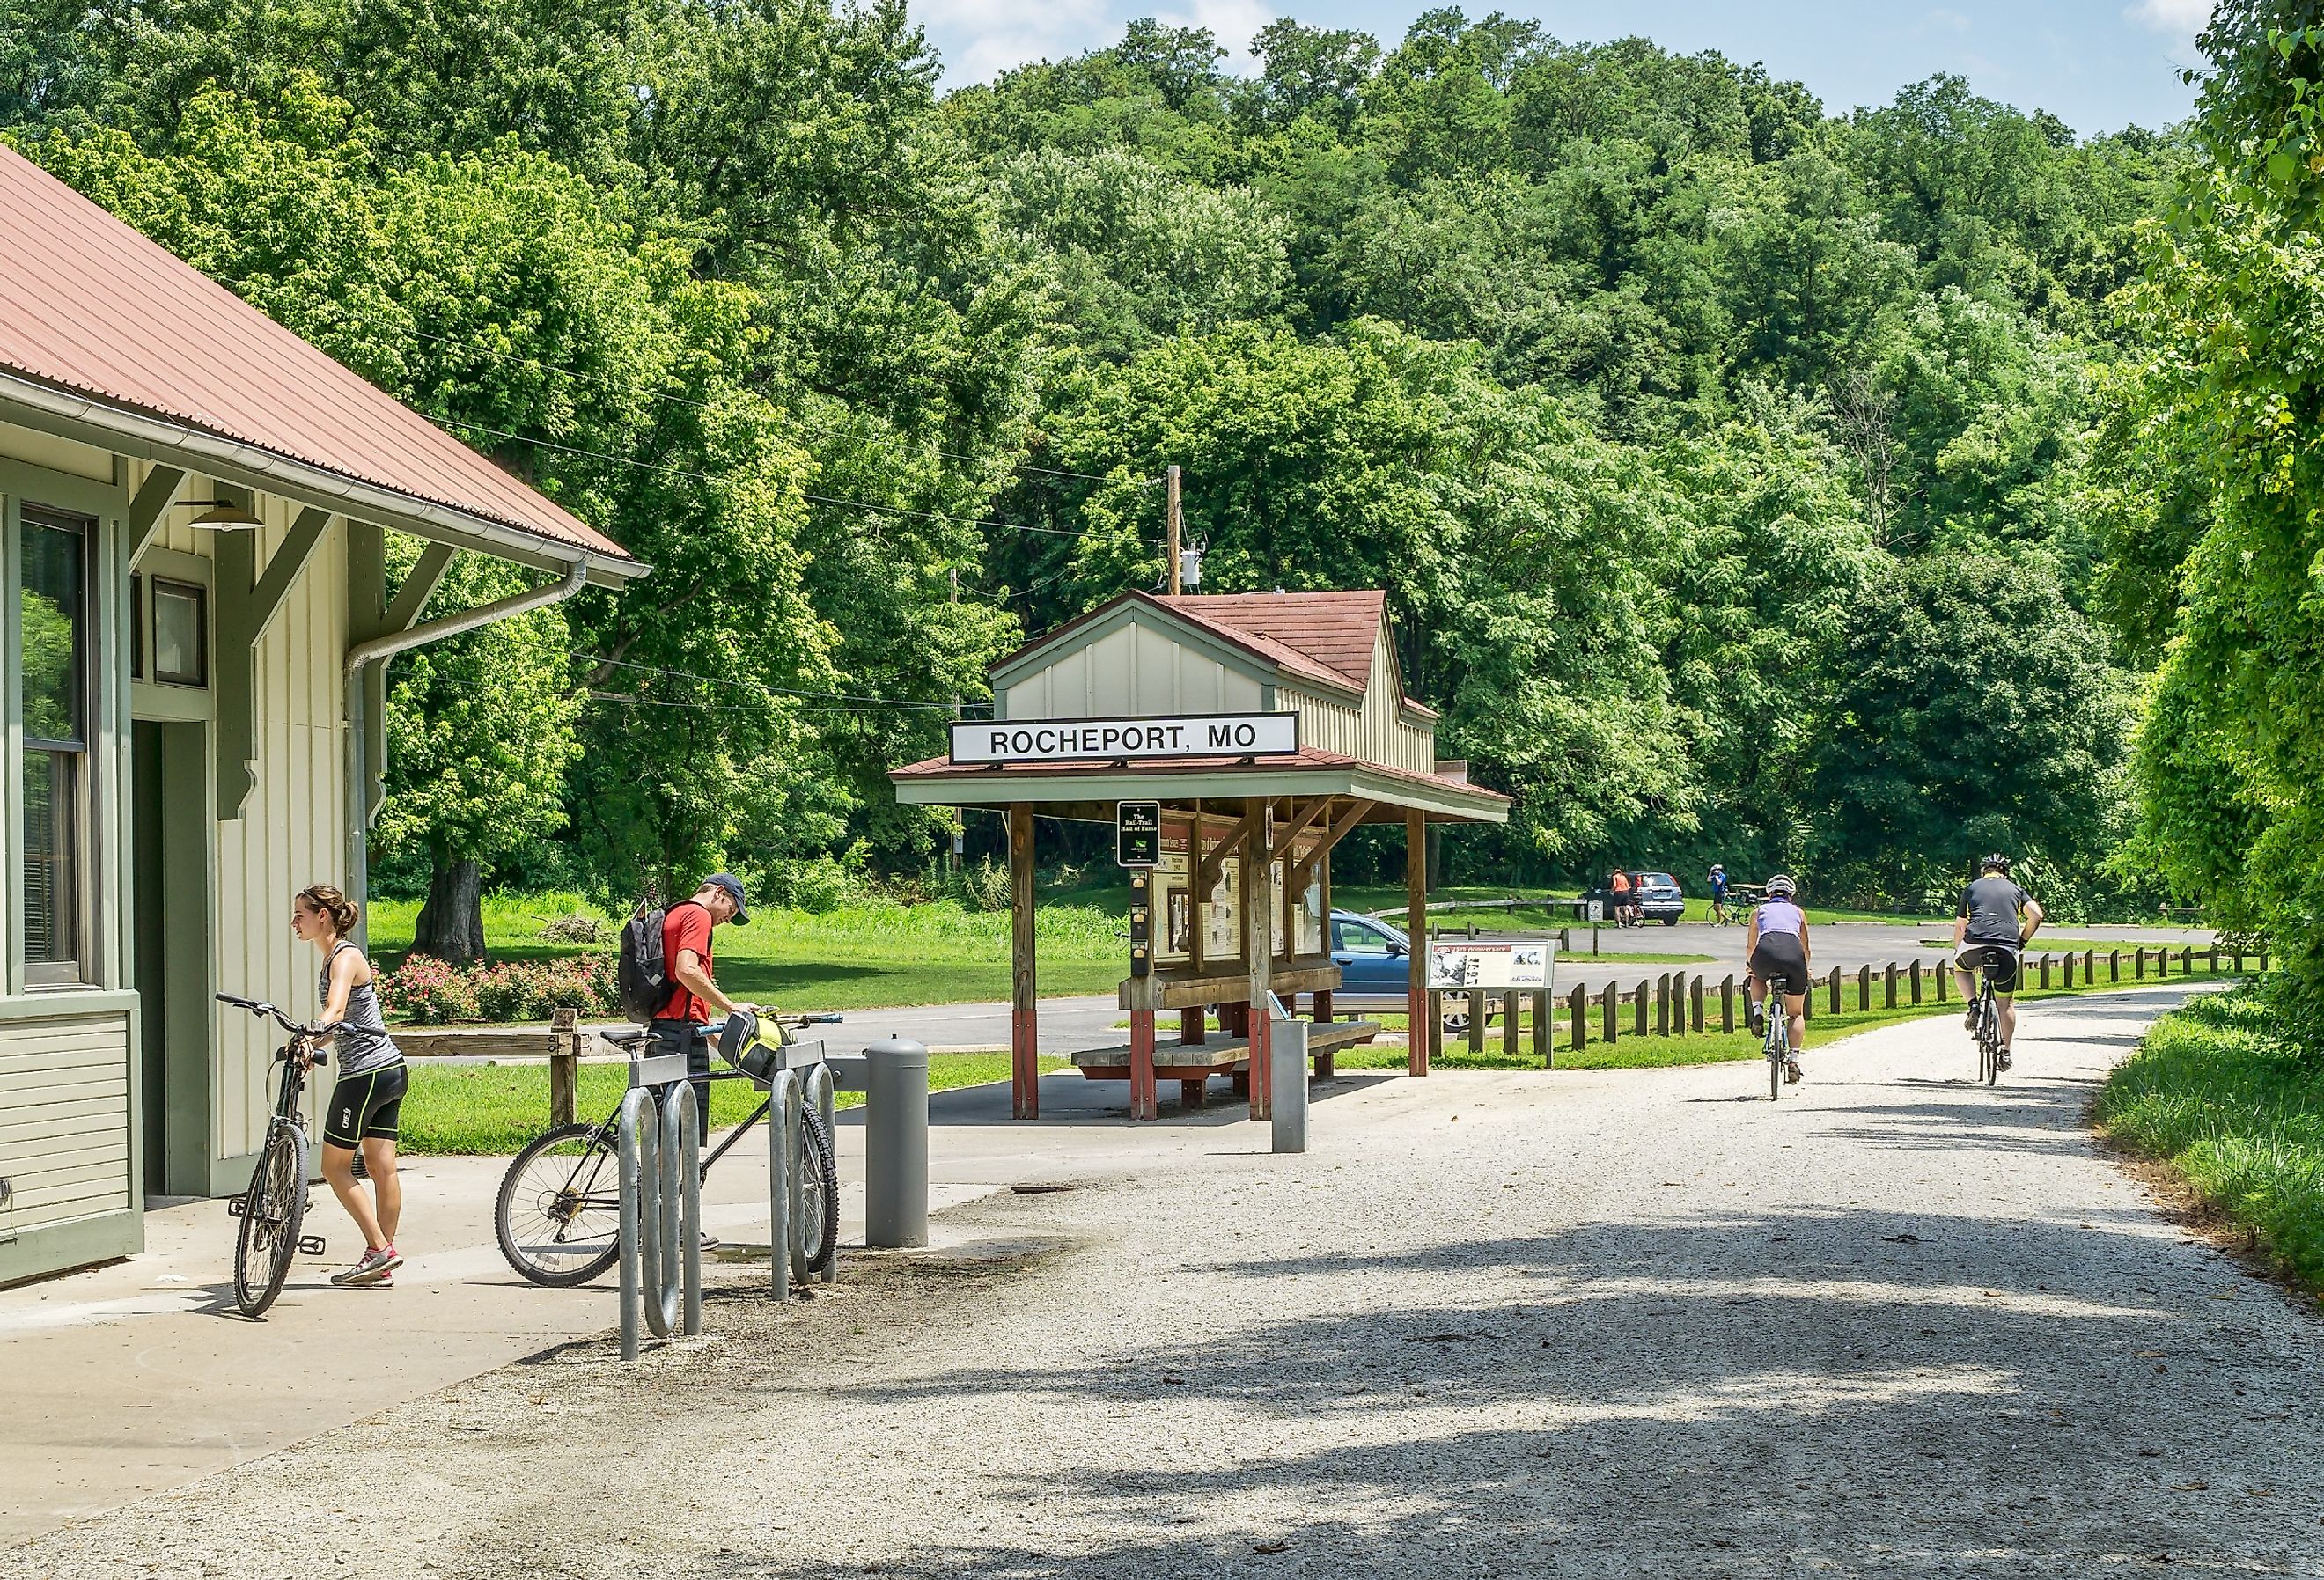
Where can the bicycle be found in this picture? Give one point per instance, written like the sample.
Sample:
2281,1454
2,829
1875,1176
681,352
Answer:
1986,1011
1778,1038
273,1207
559,1214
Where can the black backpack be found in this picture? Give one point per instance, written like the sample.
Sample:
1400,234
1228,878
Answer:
643,975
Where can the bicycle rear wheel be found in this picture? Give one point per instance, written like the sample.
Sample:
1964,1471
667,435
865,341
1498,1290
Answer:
1776,1049
818,1217
558,1216
272,1209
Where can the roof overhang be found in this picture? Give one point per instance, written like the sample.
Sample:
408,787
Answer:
1089,792
124,430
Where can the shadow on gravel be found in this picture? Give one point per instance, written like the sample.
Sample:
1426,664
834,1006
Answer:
1076,1100
1739,1394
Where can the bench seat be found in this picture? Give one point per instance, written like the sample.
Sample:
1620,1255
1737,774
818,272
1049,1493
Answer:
1219,1054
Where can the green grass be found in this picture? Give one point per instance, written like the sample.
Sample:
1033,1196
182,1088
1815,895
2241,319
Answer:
492,1110
866,955
2215,1093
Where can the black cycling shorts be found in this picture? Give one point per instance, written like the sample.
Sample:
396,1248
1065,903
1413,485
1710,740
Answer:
365,1106
1781,959
2003,960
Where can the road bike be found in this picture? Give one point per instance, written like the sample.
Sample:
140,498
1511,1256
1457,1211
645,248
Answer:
559,1215
1985,1011
1778,1039
274,1205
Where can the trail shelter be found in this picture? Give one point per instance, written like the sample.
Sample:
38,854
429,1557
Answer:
195,510
1258,729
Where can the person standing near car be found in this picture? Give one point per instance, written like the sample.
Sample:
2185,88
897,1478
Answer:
685,929
1619,885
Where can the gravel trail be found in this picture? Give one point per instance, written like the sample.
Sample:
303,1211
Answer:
1593,1324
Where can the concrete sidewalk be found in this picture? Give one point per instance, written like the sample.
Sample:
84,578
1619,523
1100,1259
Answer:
139,1376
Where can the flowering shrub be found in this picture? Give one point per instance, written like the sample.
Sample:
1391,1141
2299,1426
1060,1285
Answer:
425,991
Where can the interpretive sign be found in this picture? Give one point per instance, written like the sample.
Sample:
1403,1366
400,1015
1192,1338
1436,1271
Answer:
1461,963
1073,740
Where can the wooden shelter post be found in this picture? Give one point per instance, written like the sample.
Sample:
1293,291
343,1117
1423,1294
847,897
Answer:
1257,924
1416,929
1024,1019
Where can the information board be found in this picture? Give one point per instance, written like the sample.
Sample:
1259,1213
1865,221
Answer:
1137,833
1458,963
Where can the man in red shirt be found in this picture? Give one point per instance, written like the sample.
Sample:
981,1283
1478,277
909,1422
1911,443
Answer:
686,929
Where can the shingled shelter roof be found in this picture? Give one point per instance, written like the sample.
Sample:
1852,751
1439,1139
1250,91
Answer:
91,307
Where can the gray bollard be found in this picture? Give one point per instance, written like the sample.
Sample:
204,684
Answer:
1287,1064
896,1143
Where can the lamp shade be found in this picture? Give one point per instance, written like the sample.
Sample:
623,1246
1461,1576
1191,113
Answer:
223,517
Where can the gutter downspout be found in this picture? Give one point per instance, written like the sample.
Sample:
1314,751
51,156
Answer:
378,650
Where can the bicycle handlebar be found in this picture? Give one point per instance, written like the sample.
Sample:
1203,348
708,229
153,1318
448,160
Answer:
260,1007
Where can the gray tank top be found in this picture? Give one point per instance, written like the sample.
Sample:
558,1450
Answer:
364,1046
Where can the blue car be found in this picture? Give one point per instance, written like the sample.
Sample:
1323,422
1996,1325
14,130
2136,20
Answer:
1375,961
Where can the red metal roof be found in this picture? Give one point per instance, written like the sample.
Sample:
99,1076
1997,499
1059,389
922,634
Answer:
89,305
1327,636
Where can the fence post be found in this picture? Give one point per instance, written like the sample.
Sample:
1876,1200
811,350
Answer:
1727,1005
2263,959
1609,1003
2186,960
2045,973
2068,982
1661,1004
1545,1026
1512,1012
1835,990
1864,986
563,1059
1889,988
2138,962
1943,972
2215,959
1694,1000
1639,1011
1916,979
1578,1003
2114,964
2162,963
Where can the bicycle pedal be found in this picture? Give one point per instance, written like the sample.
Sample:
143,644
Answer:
236,1206
310,1245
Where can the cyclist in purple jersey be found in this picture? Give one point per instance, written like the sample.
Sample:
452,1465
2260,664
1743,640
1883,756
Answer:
1776,946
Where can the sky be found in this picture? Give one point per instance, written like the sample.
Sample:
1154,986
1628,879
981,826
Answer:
2098,65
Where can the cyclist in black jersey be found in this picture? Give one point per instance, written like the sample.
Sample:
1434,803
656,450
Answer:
1994,922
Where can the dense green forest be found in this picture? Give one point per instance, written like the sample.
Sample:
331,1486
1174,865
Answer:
1751,479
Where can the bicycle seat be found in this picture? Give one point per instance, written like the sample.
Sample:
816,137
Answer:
628,1041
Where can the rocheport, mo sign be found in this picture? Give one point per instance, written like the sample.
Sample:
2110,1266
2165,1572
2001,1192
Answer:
1073,740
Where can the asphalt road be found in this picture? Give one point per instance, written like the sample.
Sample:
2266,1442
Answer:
1070,1024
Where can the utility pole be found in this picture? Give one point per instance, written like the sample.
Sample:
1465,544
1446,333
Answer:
1176,530
959,851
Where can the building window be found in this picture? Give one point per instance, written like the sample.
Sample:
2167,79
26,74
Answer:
51,627
181,632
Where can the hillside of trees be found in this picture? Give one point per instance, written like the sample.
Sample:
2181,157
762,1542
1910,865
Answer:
1752,479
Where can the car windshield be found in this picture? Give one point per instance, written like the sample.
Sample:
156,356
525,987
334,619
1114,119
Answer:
1657,878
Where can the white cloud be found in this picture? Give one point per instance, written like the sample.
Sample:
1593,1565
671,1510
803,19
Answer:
981,38
2181,20
1233,23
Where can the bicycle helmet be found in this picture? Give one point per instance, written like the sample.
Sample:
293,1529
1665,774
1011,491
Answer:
1996,863
1781,887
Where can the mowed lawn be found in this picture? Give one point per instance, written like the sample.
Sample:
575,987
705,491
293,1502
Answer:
862,955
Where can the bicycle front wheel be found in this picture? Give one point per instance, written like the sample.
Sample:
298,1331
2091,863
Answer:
272,1209
818,1217
559,1212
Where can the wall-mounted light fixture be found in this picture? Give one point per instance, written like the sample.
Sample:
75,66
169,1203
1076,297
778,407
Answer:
219,515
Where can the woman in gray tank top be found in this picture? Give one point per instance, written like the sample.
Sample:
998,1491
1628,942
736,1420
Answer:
366,1101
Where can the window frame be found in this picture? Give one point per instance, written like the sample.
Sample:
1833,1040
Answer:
149,628
78,968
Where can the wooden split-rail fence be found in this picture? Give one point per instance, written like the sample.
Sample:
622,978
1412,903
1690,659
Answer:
1677,1003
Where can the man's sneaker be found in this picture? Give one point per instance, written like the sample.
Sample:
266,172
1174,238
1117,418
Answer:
709,1241
2001,1061
1791,1071
377,1262
1755,1018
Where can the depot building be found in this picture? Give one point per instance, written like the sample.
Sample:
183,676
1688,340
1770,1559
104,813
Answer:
197,512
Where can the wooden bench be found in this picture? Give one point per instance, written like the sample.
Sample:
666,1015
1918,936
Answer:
1222,983
1221,1054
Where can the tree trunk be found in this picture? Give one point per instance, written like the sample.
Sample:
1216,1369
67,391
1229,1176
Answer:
451,925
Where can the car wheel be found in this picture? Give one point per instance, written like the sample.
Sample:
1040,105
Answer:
1670,921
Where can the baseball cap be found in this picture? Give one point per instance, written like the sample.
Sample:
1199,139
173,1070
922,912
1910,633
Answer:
734,887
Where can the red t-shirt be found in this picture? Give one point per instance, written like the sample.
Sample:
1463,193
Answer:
685,926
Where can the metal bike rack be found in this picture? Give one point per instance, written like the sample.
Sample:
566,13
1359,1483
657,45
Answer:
660,1141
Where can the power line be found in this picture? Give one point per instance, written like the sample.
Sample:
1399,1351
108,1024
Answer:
864,504
705,406
772,691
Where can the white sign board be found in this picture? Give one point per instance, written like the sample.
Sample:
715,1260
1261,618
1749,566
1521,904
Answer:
1071,740
1454,963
